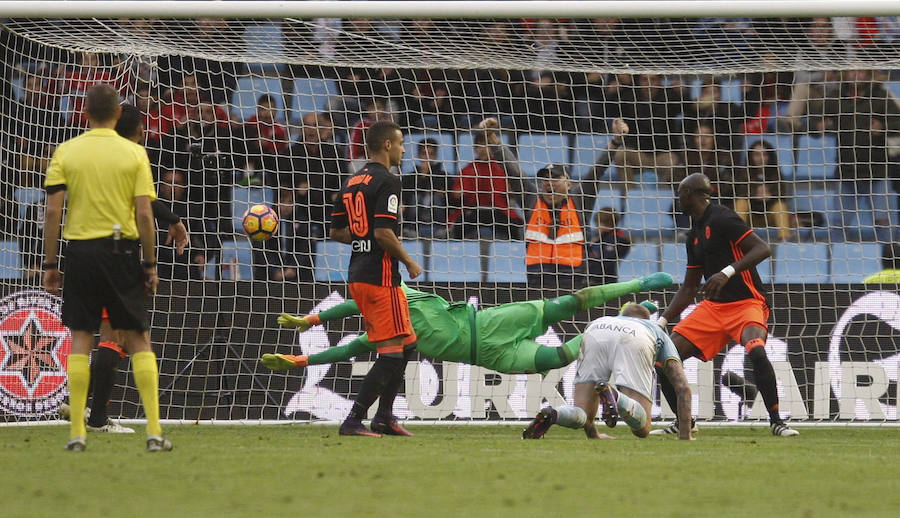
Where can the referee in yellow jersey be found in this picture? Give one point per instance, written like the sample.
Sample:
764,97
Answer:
110,257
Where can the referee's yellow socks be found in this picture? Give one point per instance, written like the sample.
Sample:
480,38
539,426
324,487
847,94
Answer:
79,371
146,377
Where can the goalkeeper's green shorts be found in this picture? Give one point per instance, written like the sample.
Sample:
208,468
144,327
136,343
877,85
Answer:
505,336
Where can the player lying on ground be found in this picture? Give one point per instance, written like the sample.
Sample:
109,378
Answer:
504,335
624,347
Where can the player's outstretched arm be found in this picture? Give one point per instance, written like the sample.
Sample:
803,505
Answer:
675,373
334,354
593,296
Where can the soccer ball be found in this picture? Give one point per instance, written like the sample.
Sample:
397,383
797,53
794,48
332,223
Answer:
260,222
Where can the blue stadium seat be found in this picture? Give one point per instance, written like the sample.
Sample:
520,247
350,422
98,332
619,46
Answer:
263,39
801,263
673,257
331,261
764,269
10,260
416,250
248,91
445,150
696,86
311,94
816,158
588,146
241,250
894,88
784,148
18,88
454,261
643,259
855,225
858,218
674,262
465,152
732,91
648,214
821,201
507,262
26,196
242,198
853,262
537,150
605,198
67,108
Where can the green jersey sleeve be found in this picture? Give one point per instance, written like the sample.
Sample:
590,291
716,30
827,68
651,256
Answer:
340,312
342,353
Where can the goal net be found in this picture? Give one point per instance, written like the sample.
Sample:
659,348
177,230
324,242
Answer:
795,121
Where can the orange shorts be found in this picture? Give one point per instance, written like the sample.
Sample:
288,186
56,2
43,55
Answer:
712,324
386,312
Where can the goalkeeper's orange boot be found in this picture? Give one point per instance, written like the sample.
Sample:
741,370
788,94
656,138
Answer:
389,426
280,362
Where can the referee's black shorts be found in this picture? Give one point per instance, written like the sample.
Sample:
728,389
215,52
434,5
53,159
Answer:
101,273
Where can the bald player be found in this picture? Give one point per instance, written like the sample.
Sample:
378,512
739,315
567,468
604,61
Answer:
725,251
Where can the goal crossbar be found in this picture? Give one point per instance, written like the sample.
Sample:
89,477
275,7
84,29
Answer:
447,9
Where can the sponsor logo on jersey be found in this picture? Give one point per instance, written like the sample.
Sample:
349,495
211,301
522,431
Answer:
393,204
361,245
34,351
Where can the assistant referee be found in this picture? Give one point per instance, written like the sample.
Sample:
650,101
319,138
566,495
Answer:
110,257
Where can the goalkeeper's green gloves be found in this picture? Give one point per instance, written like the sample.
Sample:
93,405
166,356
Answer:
300,323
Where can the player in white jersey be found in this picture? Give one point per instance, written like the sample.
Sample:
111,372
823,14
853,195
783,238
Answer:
615,371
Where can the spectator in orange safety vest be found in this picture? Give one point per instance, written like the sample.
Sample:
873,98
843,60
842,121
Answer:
555,235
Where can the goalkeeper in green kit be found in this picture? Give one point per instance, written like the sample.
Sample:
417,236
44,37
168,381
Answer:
499,338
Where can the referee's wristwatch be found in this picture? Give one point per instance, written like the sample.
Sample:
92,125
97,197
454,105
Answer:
148,264
50,266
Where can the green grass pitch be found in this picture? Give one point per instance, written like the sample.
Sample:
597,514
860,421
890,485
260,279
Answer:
301,470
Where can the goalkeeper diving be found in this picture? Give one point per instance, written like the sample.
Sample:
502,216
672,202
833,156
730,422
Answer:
499,338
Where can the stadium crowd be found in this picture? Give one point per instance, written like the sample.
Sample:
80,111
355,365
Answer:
746,132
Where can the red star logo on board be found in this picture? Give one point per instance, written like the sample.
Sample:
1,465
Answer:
30,352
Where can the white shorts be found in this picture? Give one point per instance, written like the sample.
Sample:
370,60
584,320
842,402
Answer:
616,351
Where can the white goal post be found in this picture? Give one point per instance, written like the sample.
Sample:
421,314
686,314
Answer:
791,107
